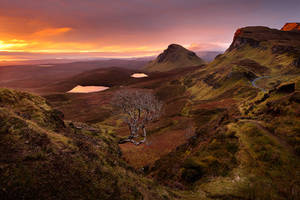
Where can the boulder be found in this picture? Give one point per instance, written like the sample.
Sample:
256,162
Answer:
286,88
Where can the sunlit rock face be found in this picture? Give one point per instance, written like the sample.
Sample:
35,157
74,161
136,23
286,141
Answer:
87,89
291,27
139,75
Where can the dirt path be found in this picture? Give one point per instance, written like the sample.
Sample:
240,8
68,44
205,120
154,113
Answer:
259,124
254,82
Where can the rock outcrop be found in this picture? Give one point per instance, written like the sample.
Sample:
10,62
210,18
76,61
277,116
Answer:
255,35
291,27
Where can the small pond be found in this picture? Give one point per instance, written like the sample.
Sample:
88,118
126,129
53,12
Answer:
87,89
139,75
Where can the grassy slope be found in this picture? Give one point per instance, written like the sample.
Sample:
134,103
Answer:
42,157
230,157
255,52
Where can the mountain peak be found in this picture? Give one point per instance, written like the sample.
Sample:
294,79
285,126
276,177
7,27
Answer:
175,46
291,27
175,56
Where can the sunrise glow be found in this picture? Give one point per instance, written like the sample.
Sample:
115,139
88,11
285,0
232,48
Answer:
122,28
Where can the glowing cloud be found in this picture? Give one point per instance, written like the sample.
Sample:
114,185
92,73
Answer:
12,44
52,32
209,46
136,28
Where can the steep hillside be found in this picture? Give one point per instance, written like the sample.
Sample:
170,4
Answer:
245,110
255,53
43,157
174,57
240,149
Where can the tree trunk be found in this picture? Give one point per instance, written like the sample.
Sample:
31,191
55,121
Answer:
130,138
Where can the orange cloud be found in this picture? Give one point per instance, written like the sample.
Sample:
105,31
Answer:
208,46
12,44
52,32
43,46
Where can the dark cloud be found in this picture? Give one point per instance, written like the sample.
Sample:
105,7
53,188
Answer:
134,23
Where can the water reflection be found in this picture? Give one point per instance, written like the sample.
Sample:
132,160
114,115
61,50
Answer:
87,89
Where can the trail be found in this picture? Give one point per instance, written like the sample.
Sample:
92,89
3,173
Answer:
271,135
255,80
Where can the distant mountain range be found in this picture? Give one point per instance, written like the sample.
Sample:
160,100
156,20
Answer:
207,56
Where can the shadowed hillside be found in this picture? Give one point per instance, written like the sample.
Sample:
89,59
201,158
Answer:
43,157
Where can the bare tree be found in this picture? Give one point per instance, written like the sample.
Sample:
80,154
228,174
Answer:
140,107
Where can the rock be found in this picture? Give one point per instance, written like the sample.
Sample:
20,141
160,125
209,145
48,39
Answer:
291,27
255,35
297,62
262,99
211,80
253,66
239,41
295,97
286,88
280,49
242,74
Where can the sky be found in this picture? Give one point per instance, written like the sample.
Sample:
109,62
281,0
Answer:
41,29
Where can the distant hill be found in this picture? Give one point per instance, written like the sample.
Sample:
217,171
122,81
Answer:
208,56
112,76
174,57
48,74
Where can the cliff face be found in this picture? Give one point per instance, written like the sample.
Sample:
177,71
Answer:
291,27
174,57
255,51
278,50
257,36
